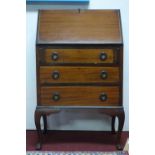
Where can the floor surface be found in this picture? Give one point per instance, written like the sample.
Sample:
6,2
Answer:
75,141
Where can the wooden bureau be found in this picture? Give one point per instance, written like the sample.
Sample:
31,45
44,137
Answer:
79,60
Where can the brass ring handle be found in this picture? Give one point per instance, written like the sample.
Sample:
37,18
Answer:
55,56
56,96
103,97
103,56
104,75
55,75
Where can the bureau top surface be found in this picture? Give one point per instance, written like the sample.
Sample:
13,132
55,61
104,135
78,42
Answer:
79,27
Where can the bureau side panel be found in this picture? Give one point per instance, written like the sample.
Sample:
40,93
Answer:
38,57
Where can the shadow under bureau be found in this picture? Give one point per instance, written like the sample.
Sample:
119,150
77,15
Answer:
79,59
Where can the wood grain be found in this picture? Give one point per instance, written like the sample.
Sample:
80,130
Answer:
78,37
78,56
78,74
74,27
80,96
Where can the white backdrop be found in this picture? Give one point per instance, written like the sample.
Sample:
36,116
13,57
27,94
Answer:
70,120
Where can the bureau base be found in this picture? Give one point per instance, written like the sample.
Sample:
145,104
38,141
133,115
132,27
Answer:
113,112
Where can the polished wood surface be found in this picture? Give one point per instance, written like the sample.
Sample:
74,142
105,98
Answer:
70,72
78,74
80,96
77,56
74,27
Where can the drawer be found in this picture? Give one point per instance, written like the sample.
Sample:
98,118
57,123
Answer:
80,96
65,74
88,56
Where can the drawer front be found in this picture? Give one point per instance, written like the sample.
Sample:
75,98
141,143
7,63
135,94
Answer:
57,74
87,56
80,96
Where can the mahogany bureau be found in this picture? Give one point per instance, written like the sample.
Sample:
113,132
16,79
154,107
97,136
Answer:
79,60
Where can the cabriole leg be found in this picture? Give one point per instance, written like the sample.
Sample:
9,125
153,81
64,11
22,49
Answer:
38,127
113,124
45,123
121,118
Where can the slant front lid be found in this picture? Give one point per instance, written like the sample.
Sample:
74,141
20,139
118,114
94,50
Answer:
79,27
